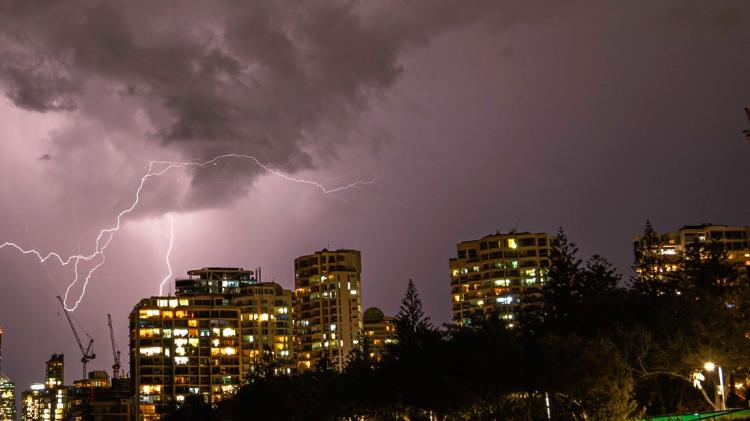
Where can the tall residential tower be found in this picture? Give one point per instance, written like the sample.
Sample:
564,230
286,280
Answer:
327,306
499,275
7,391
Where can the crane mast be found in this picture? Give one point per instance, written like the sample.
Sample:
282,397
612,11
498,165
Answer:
88,352
115,350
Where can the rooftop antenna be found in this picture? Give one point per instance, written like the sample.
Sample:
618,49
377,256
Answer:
746,132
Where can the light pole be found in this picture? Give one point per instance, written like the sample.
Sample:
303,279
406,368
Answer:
709,366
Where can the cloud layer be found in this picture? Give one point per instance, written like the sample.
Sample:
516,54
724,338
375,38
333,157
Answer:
282,80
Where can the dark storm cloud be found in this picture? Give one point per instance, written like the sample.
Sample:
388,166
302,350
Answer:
277,79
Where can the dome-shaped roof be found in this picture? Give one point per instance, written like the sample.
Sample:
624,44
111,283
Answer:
373,315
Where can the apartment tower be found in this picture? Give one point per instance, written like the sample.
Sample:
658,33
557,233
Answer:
498,275
7,391
327,308
735,241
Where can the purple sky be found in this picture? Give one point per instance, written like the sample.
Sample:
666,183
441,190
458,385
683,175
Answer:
591,115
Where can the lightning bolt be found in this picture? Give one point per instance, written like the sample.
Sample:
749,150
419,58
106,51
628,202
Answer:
106,235
169,252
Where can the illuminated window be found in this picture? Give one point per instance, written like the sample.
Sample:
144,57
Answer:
151,350
184,302
504,300
502,282
149,333
193,323
228,332
180,332
148,389
181,360
512,243
148,313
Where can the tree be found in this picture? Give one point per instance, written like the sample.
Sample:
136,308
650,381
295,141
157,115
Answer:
411,322
597,278
650,278
705,270
264,366
563,277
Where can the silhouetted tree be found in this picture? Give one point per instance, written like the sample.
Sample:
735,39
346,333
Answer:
650,277
563,277
598,278
411,322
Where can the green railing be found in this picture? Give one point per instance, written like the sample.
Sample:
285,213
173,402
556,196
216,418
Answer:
732,414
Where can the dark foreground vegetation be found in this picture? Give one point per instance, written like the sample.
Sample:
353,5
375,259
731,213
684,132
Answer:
595,349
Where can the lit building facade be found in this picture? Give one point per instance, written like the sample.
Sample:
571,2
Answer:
55,371
671,246
50,400
7,391
215,280
7,399
498,275
266,325
379,332
100,398
265,308
181,347
327,309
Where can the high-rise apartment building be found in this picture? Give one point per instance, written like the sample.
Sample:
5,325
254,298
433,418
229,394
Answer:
208,338
498,275
735,241
51,400
266,326
266,310
100,398
182,347
7,399
379,331
327,309
7,391
55,371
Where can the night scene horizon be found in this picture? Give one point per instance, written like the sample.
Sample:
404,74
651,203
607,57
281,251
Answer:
375,210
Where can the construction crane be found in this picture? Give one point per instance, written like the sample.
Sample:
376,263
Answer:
88,352
115,350
747,132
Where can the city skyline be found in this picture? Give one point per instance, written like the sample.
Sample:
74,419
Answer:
589,116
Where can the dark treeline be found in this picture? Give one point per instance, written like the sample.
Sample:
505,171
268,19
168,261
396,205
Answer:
596,348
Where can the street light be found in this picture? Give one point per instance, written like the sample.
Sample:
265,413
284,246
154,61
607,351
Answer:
709,366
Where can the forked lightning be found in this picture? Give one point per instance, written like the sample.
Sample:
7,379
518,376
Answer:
105,236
